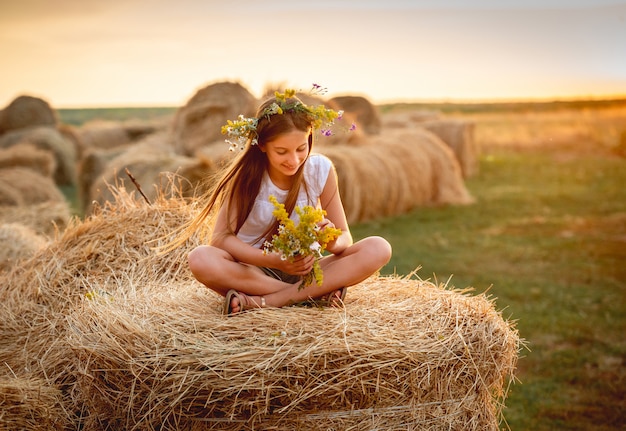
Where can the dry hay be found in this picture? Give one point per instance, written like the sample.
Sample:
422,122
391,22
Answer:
395,173
50,139
23,186
108,251
199,122
46,218
367,115
111,134
29,403
402,119
102,134
26,111
151,163
91,166
18,242
458,135
28,155
134,343
404,354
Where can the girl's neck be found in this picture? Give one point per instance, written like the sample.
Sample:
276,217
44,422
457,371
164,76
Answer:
281,181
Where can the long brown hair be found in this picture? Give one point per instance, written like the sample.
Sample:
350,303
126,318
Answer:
239,184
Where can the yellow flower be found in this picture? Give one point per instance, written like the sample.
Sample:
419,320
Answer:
305,239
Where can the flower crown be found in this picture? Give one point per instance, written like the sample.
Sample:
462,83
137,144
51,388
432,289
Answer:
243,128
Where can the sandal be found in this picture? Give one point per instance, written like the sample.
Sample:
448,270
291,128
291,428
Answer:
337,301
244,302
330,300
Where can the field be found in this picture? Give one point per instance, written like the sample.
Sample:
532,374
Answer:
547,239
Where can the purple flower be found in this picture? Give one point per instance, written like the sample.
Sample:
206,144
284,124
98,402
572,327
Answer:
326,132
352,127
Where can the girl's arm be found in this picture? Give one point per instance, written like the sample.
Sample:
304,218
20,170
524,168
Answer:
335,214
223,238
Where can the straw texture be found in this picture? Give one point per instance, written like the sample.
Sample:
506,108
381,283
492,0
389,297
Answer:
132,342
396,172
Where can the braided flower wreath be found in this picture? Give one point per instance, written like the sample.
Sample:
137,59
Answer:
305,238
243,128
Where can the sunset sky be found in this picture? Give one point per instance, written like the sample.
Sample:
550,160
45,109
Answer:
89,53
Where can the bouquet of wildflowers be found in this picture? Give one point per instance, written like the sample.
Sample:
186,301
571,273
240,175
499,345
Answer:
305,239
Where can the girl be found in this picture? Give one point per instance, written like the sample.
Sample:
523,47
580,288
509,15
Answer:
276,159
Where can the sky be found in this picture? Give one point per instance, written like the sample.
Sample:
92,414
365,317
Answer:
92,53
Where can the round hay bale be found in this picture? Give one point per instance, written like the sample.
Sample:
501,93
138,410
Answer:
448,185
90,168
102,134
404,119
458,135
367,115
19,242
151,170
29,403
199,122
46,218
23,186
48,138
394,173
28,156
26,111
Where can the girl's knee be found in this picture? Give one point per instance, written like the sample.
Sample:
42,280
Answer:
380,249
198,259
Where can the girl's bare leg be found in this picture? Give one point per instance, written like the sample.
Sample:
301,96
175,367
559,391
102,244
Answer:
217,270
354,265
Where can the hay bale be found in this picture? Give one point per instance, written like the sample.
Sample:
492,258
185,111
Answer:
29,156
403,119
26,111
151,162
367,115
29,403
396,172
199,122
404,354
50,139
134,343
102,134
110,250
18,242
46,218
458,135
23,186
90,169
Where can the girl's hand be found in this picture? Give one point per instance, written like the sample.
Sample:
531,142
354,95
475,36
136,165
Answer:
300,265
325,223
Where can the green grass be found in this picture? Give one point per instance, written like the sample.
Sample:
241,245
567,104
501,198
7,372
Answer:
547,238
79,116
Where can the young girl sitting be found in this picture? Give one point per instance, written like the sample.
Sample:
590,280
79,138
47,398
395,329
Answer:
277,160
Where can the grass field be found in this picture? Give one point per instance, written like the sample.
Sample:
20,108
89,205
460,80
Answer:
547,239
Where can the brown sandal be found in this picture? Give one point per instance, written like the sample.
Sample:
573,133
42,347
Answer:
330,300
243,302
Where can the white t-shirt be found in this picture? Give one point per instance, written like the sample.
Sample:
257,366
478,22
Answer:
316,170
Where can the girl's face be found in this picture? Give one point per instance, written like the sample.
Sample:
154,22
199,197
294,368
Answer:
285,155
